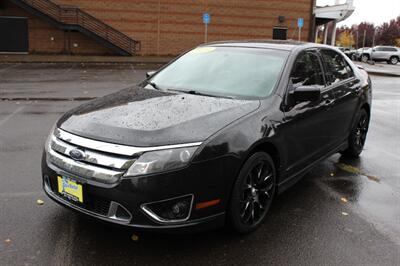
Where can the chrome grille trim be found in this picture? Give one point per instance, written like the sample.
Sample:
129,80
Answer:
102,161
114,148
82,169
92,157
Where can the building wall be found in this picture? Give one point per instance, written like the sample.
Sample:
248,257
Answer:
168,27
47,39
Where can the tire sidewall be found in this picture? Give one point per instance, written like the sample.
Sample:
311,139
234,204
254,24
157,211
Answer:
355,151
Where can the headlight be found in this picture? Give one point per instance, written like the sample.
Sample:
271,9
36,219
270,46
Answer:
48,140
159,161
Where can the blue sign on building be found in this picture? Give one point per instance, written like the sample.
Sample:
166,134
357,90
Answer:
206,18
300,22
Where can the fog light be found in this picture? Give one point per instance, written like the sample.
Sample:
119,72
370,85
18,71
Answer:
170,210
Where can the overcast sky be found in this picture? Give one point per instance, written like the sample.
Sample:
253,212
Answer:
375,11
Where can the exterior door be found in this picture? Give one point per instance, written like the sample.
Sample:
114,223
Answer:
14,35
341,80
307,133
378,53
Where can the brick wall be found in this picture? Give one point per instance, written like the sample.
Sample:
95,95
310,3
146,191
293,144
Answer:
167,27
47,39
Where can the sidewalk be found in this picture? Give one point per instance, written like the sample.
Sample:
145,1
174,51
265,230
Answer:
381,69
377,69
33,58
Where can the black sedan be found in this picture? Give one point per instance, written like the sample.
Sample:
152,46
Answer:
211,138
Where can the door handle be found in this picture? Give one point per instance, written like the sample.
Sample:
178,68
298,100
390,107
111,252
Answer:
329,102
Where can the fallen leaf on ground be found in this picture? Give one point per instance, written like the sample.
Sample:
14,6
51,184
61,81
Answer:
344,200
345,214
349,168
135,237
373,178
40,202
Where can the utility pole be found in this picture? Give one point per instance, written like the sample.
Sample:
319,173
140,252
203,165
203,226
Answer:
373,38
357,40
365,32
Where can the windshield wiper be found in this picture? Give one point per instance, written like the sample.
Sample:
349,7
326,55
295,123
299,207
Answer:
154,85
194,92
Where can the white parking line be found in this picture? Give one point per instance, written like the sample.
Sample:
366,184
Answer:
2,122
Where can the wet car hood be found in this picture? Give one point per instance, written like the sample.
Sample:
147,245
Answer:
146,117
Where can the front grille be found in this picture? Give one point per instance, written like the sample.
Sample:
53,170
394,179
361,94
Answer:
95,163
100,206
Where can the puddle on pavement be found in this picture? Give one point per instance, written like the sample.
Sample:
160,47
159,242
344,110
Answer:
367,194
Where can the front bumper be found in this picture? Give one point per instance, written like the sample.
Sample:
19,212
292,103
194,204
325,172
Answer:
205,181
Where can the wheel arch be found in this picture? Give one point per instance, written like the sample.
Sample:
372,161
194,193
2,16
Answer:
367,108
271,149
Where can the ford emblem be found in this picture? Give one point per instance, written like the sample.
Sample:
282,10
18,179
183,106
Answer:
77,154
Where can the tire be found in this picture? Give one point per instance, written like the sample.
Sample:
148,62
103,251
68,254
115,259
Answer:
364,58
358,135
394,60
252,194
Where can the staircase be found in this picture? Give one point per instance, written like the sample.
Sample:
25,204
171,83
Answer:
70,18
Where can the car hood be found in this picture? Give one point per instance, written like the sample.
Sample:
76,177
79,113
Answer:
147,117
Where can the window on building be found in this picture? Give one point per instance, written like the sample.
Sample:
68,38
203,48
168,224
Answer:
279,33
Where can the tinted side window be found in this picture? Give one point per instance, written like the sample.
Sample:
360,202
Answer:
307,70
336,66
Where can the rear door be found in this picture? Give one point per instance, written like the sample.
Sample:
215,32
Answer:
389,52
346,87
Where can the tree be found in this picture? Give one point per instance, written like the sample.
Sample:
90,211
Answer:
345,39
369,30
388,33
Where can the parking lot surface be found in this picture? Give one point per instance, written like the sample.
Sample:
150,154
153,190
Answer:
343,212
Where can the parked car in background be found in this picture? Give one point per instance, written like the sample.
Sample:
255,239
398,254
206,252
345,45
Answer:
349,52
211,138
357,56
389,54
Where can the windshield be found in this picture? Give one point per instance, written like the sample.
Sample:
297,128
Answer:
224,71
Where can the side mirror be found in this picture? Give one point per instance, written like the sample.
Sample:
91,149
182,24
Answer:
373,50
306,93
150,73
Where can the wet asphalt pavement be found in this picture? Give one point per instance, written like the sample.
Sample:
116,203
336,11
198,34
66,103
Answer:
344,212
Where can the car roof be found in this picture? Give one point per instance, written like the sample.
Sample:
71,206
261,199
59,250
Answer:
287,45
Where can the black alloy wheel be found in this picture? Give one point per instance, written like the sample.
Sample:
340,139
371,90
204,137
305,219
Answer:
253,193
358,135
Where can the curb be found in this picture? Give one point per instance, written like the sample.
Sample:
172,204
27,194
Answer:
381,73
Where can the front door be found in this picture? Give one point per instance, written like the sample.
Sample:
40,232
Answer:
307,133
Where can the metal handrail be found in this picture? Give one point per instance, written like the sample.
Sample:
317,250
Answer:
72,15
